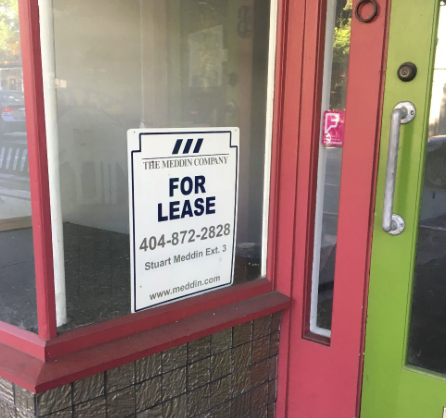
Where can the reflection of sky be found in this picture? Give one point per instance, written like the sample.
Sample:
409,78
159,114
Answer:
440,69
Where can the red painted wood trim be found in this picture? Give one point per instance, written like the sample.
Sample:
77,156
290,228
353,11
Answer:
287,121
334,372
374,179
38,167
22,340
107,331
307,133
104,332
276,146
312,96
38,376
352,269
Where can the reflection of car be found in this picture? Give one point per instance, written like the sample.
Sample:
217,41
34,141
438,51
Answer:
12,111
435,170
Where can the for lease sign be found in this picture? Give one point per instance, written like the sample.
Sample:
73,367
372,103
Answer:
183,187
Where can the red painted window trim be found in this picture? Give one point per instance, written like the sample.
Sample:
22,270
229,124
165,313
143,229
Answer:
310,128
38,167
22,340
38,376
47,344
385,10
104,332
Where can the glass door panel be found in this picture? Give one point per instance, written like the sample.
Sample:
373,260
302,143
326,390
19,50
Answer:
334,93
405,360
427,335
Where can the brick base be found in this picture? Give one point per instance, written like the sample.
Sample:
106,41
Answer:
231,374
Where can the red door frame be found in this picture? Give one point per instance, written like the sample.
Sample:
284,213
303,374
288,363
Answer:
317,379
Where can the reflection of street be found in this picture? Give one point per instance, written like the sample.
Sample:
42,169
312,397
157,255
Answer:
332,180
427,337
14,176
17,281
329,235
427,331
331,198
14,208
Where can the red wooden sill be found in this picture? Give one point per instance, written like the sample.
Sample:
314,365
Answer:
39,376
115,329
107,331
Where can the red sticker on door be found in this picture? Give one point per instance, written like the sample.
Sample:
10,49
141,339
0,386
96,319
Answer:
333,134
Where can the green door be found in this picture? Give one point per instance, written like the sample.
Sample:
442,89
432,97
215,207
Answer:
405,349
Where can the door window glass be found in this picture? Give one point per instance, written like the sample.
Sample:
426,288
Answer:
336,58
427,335
17,277
125,64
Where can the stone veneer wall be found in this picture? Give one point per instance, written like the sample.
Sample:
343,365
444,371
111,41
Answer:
231,374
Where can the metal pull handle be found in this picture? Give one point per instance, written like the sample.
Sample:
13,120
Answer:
402,113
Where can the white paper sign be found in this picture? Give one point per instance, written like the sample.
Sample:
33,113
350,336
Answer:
183,212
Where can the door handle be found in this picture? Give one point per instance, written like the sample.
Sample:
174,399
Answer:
402,114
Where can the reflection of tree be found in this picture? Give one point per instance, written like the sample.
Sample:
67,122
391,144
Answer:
341,51
341,45
9,31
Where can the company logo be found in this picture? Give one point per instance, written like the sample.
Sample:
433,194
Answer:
188,146
333,128
331,122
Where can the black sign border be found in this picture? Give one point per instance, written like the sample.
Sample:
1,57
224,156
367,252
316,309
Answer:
133,213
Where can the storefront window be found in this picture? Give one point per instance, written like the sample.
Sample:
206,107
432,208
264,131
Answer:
336,59
17,277
428,312
128,64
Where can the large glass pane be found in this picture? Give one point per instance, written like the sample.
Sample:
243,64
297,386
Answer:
123,64
17,279
336,58
427,337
